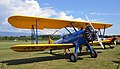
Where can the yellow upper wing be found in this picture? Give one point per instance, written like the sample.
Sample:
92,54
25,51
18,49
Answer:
26,22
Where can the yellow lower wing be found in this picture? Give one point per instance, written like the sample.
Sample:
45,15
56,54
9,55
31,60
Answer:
38,47
42,47
96,42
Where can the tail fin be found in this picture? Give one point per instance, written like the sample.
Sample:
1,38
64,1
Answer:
50,40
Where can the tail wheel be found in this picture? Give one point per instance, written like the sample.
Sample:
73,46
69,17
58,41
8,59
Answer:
73,57
94,54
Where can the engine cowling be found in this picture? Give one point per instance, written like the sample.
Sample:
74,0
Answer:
90,34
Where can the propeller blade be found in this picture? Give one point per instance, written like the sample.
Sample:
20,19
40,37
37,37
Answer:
99,40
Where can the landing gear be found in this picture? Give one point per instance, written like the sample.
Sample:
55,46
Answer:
104,46
51,51
87,49
94,54
73,57
111,46
108,45
65,53
80,49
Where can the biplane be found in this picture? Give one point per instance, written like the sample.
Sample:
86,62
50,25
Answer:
83,36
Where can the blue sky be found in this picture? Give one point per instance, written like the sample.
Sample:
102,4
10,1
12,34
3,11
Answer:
107,11
99,10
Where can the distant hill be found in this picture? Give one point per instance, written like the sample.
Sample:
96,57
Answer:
13,34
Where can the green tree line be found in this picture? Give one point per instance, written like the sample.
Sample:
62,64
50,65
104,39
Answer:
41,37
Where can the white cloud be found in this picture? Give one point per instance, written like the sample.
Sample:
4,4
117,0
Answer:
93,13
63,15
101,13
96,20
27,7
69,11
79,19
47,12
46,4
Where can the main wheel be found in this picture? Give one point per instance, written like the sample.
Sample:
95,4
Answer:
87,49
73,57
111,46
94,54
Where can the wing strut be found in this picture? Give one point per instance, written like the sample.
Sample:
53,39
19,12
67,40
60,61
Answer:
104,32
73,27
36,31
99,32
68,30
32,34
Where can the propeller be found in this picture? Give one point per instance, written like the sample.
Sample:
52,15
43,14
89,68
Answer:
89,34
99,40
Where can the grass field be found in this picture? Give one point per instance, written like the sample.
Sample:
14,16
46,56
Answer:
107,59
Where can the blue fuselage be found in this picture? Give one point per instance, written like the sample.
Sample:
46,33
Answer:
72,38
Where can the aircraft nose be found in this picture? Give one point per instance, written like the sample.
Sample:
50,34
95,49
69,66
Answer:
89,34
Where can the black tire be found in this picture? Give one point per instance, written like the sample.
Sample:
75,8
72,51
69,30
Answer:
51,51
94,54
111,47
87,49
73,57
104,46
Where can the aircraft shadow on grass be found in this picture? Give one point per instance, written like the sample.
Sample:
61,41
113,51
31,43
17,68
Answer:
117,62
36,59
40,59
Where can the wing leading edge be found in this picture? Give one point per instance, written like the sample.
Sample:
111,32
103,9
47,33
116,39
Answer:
26,22
38,47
